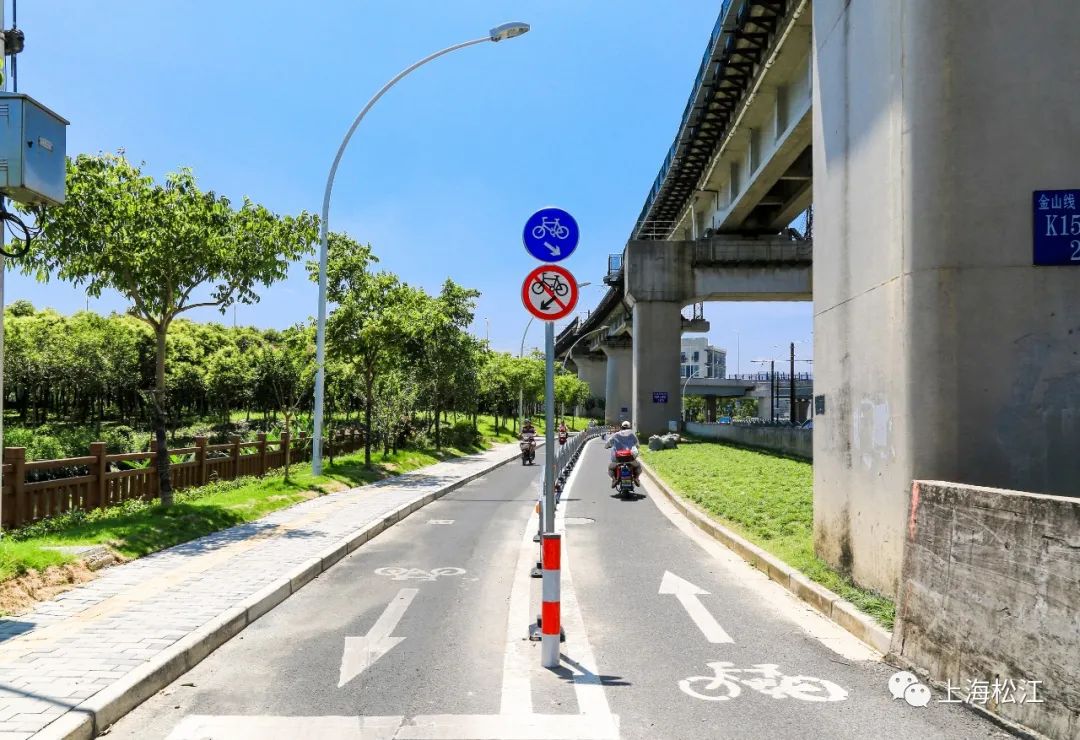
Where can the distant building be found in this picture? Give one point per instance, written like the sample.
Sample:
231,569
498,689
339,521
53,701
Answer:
702,359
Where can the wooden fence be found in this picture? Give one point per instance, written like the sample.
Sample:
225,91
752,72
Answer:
34,490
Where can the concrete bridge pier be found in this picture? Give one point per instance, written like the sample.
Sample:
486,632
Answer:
593,371
941,351
618,385
710,408
656,346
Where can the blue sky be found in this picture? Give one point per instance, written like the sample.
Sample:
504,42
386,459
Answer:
255,96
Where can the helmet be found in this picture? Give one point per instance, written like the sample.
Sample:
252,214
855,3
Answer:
625,425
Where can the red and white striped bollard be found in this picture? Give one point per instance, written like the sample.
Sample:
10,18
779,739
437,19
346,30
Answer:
550,610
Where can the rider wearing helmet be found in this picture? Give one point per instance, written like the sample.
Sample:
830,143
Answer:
527,429
624,439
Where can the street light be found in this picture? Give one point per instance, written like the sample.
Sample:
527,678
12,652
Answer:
499,33
682,396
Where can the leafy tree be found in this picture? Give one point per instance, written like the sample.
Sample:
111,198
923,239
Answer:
287,366
439,343
168,248
367,325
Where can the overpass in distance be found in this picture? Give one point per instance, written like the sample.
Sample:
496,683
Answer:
922,187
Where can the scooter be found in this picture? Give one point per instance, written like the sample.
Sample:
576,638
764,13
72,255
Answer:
624,472
528,450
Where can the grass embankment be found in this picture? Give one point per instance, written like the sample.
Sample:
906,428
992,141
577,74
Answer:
137,528
768,499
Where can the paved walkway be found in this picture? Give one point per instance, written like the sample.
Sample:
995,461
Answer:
70,648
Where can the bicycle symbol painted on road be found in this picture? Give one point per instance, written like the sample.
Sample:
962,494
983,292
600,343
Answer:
552,281
400,573
764,678
550,227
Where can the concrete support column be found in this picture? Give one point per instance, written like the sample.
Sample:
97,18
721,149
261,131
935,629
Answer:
942,352
618,384
656,346
710,409
593,371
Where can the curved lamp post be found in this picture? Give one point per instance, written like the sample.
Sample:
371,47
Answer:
505,31
682,395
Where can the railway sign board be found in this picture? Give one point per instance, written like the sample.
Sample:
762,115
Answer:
549,292
1056,221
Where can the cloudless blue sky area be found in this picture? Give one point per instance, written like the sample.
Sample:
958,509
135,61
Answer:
255,95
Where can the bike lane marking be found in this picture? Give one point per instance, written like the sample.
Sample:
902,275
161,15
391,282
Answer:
761,588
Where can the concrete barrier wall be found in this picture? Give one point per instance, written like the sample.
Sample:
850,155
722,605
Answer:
787,440
990,591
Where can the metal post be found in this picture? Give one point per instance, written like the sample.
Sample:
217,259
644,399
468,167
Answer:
320,329
772,391
549,431
791,414
3,230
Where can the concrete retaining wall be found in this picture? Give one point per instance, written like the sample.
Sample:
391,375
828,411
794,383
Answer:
991,590
787,440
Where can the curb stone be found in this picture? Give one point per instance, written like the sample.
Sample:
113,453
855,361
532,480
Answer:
93,715
831,605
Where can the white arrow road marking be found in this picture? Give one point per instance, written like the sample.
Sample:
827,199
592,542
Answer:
362,652
687,594
555,250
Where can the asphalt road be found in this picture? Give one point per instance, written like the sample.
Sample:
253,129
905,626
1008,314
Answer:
444,600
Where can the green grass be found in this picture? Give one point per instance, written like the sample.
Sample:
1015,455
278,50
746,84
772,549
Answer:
768,499
138,528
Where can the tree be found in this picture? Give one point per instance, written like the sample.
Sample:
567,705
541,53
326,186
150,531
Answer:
439,343
287,367
570,390
167,248
366,327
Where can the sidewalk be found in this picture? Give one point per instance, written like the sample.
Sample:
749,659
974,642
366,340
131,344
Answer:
74,664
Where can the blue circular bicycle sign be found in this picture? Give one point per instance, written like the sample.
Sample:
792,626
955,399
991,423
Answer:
551,235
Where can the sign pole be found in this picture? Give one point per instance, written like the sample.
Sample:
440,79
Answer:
550,613
549,431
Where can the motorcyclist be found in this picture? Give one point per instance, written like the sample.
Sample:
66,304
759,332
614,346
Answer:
527,429
624,439
562,428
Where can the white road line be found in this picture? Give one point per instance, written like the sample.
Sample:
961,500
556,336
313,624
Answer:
577,652
763,589
687,594
362,652
263,727
425,727
516,685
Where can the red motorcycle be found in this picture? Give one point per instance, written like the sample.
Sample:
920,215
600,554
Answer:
624,472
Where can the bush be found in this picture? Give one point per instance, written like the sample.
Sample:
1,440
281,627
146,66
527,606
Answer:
463,436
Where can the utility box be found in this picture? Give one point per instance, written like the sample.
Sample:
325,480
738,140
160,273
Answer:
33,146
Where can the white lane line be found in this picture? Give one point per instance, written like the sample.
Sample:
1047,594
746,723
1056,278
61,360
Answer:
264,727
577,652
687,594
425,727
762,589
362,652
516,684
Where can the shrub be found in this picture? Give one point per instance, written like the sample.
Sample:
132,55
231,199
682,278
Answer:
463,436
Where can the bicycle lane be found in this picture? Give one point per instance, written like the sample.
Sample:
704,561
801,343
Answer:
659,644
432,596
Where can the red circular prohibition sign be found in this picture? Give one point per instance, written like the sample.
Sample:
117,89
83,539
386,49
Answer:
549,292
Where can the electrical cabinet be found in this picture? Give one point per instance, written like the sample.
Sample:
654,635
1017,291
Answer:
33,147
